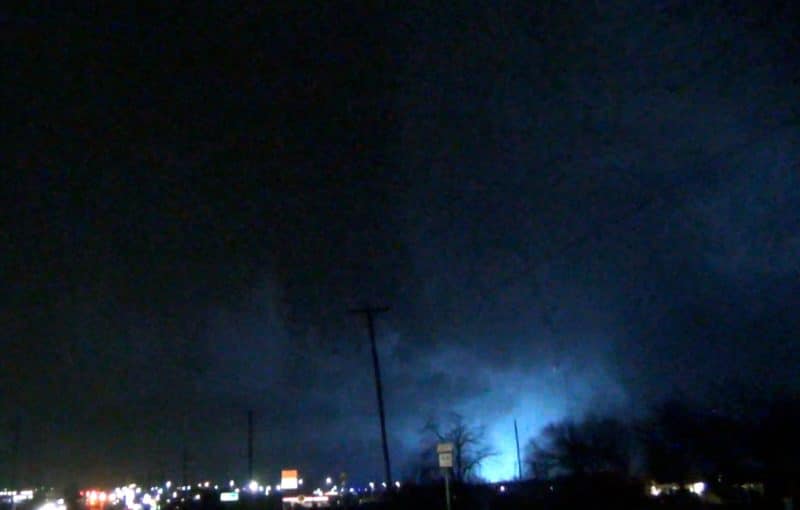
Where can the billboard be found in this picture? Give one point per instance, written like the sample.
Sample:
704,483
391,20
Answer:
289,479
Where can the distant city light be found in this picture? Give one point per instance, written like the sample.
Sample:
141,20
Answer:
313,500
253,486
698,488
50,505
228,497
328,480
502,488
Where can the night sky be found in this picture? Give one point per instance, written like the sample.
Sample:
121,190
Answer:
569,206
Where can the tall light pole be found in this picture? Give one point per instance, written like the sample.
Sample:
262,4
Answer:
369,312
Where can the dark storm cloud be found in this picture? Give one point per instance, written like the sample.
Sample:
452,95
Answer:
638,137
568,208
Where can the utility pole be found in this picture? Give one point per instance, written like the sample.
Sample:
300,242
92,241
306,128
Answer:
16,439
369,312
161,472
250,444
519,459
185,466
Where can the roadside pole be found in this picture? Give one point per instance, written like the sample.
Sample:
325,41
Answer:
445,451
447,486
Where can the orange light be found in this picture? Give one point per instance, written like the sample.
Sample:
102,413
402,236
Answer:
96,498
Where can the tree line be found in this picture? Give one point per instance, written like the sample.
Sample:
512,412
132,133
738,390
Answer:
674,442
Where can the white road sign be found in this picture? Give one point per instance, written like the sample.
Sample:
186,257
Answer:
446,460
